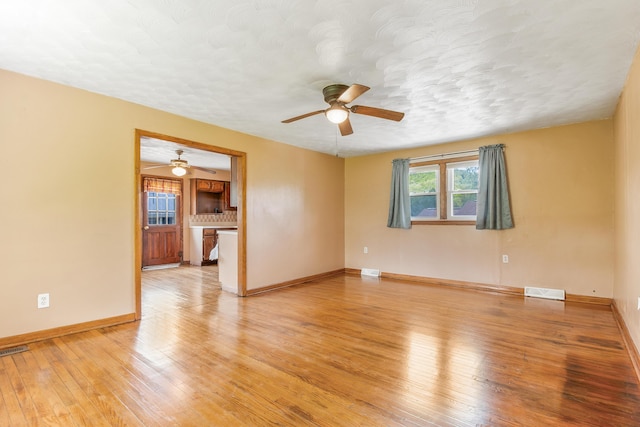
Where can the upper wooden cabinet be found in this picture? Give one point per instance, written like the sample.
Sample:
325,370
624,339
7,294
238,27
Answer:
210,185
209,196
233,185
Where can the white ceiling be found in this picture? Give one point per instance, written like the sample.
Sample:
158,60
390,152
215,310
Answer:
162,152
457,69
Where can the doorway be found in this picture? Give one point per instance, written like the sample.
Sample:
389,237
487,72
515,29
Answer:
161,221
141,221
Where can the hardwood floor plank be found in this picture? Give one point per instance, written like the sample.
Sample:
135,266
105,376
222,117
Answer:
11,412
339,351
49,405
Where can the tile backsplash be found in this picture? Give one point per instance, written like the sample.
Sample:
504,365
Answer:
226,216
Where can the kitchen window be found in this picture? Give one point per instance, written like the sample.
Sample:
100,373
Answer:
444,191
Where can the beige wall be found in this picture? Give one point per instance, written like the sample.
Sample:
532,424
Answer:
562,201
627,184
68,203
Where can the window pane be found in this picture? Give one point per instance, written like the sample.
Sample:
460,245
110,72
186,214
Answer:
161,208
424,206
464,204
465,178
423,182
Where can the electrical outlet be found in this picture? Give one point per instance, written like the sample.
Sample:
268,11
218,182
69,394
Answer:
43,300
366,250
638,303
505,259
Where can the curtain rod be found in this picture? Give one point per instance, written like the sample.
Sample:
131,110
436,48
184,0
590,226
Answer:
451,155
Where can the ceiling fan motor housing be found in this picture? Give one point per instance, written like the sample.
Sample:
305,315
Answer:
332,93
179,163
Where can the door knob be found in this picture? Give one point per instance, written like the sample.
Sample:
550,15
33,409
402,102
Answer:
146,227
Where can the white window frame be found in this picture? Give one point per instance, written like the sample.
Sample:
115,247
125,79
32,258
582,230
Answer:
451,166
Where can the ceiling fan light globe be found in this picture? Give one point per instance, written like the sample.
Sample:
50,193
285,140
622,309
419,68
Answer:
336,114
179,171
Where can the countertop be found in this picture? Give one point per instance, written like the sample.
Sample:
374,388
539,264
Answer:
228,232
222,225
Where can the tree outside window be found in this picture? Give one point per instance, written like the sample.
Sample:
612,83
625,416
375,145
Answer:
444,191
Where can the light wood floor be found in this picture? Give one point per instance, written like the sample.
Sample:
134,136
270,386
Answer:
340,352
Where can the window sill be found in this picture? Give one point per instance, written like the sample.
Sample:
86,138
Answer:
443,222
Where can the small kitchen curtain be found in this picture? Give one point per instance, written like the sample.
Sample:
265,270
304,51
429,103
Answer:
493,208
159,185
400,202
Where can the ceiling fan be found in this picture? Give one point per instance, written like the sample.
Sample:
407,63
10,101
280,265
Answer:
337,96
180,166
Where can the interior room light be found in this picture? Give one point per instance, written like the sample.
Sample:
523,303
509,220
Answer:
336,113
178,171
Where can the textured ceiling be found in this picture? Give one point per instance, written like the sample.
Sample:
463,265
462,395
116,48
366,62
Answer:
458,69
162,152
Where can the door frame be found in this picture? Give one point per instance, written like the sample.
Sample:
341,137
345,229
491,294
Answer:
242,199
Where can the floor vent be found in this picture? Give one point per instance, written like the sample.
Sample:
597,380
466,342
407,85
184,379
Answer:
13,350
544,293
370,272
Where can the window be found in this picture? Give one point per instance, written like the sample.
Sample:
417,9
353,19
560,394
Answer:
444,191
424,191
462,194
162,197
161,208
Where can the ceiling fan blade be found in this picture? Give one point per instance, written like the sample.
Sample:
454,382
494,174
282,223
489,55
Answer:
377,112
304,116
203,169
158,166
345,127
354,91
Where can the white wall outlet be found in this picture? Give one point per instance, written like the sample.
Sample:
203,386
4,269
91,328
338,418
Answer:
366,250
505,259
43,300
638,303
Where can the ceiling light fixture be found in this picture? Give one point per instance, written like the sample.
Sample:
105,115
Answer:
337,113
179,171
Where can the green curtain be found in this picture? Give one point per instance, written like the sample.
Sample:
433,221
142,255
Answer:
399,202
493,208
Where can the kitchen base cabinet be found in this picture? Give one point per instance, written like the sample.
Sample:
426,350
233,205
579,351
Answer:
209,241
203,239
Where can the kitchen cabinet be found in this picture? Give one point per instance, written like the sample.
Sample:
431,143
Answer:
203,239
233,185
208,196
209,241
227,198
209,185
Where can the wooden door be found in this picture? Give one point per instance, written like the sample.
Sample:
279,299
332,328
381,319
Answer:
161,228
